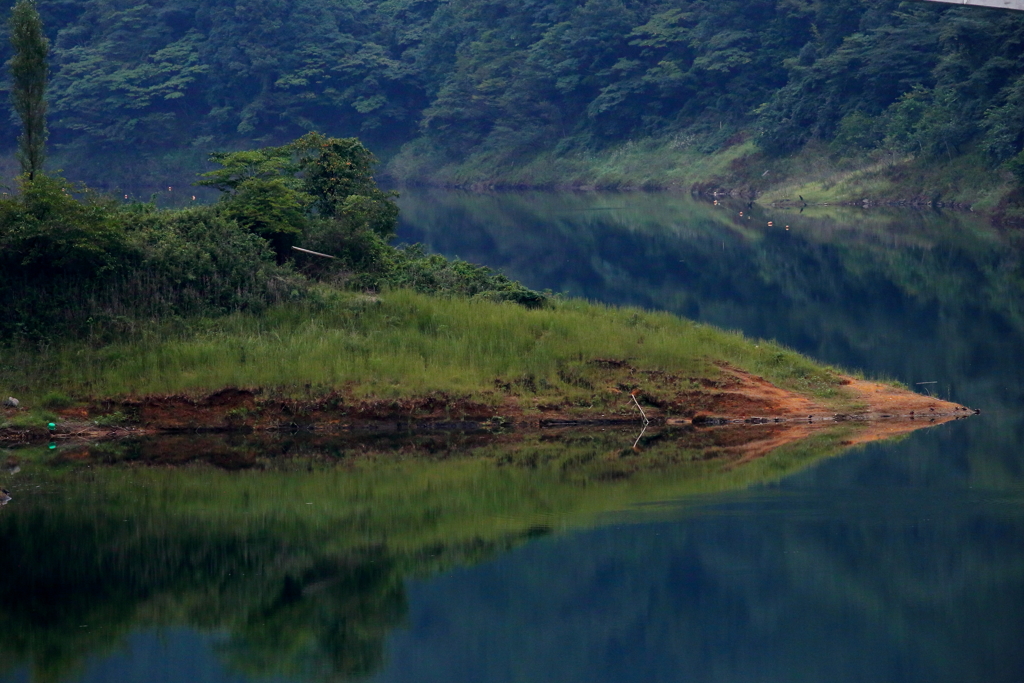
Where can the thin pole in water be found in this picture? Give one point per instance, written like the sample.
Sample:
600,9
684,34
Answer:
639,436
642,413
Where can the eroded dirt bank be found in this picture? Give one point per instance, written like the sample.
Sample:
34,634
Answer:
735,398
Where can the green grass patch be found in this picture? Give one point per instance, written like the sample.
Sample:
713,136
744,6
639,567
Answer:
402,344
33,417
56,400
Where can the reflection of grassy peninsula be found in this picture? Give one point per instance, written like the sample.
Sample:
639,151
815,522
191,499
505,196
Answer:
300,556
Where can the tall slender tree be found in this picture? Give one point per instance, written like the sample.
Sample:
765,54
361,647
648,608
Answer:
28,84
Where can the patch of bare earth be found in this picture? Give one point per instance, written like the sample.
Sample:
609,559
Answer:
734,398
883,411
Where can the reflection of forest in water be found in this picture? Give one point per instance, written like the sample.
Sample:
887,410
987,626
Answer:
296,549
914,295
424,558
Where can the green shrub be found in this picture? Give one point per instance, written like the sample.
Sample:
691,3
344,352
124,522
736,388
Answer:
55,227
270,209
56,400
362,257
115,419
856,133
198,262
76,263
1016,166
435,274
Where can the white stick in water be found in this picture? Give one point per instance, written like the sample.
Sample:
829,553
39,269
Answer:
642,413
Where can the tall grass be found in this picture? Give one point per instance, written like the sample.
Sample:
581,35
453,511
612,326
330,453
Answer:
399,344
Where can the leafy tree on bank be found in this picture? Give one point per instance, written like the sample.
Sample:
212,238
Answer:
262,194
320,191
28,84
315,182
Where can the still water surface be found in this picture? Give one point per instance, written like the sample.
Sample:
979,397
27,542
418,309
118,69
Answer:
452,557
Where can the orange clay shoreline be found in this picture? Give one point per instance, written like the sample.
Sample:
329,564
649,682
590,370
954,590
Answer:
737,398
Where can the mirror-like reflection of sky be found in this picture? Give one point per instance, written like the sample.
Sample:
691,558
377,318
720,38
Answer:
897,561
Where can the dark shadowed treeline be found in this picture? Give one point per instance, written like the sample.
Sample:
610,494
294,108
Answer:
174,78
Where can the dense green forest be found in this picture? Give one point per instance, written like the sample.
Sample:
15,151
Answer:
454,91
485,86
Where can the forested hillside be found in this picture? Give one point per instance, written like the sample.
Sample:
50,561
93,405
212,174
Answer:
485,86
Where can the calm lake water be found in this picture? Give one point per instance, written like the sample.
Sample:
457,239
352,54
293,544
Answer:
572,556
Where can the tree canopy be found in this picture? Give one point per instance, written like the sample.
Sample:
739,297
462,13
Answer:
509,79
28,84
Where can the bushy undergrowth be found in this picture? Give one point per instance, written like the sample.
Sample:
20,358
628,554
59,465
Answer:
436,274
77,264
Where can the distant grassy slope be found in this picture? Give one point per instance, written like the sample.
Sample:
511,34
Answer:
815,172
643,163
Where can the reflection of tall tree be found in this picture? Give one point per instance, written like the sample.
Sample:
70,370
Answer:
74,587
329,624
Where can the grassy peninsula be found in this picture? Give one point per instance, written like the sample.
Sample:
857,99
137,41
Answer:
124,314
400,345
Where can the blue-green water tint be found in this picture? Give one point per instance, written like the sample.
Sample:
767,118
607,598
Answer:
870,567
898,561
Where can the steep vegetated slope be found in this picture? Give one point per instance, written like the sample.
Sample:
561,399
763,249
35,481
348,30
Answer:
862,96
